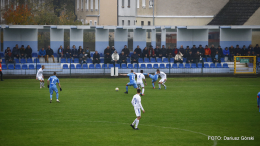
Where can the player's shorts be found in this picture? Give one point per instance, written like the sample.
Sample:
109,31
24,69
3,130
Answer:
140,83
162,80
137,112
53,88
132,84
40,78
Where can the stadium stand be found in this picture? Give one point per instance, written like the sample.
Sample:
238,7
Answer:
24,66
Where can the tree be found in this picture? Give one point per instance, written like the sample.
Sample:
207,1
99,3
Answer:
22,15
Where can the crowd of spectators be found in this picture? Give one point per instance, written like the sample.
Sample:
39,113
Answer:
192,55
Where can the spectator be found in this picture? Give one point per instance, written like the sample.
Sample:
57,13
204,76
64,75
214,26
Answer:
190,57
107,51
82,58
67,52
207,51
250,48
178,58
9,58
253,53
7,51
160,53
115,57
28,52
80,51
157,51
248,53
96,57
220,51
238,51
138,51
201,50
244,51
42,53
1,70
257,50
216,58
87,52
213,51
74,52
232,53
170,52
194,49
151,51
145,53
198,58
182,50
107,58
60,53
16,52
134,58
122,58
226,53
126,50
175,51
49,53
112,50
187,51
164,51
22,52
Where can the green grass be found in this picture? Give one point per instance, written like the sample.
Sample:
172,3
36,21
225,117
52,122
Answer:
91,112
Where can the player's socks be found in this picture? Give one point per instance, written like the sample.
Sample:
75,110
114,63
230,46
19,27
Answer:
50,97
159,86
42,84
153,85
126,87
143,91
136,123
57,96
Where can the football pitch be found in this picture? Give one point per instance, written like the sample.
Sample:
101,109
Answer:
91,112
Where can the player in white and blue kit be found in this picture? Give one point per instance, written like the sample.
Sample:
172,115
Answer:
132,80
52,87
153,77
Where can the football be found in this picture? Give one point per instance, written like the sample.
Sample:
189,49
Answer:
117,89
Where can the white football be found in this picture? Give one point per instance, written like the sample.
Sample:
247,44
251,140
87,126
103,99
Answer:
117,89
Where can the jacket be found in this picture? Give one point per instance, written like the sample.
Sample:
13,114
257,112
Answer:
178,56
134,57
138,51
126,51
96,56
22,51
60,51
225,52
122,57
28,51
115,56
74,51
42,53
16,51
49,52
207,51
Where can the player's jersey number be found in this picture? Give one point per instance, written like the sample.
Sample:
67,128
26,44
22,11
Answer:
135,100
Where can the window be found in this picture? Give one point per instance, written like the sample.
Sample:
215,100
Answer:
143,3
137,2
149,33
150,3
123,22
149,23
86,5
134,22
142,23
128,22
81,5
95,23
91,5
128,4
123,3
96,5
77,4
90,22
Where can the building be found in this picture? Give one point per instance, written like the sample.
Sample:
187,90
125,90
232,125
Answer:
96,12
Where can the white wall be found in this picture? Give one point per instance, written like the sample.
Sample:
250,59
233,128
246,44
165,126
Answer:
127,11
